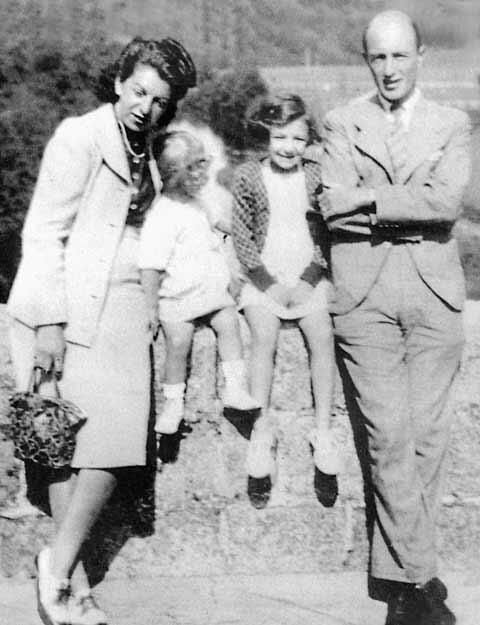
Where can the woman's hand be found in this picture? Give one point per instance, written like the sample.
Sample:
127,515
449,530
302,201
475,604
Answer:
49,351
279,293
300,293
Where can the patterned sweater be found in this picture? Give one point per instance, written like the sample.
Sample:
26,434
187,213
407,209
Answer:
250,224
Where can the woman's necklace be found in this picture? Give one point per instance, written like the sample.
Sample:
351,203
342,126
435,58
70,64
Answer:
128,145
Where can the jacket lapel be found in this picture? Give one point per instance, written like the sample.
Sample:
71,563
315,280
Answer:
110,144
370,127
423,138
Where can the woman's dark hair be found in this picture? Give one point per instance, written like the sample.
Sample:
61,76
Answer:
278,110
167,56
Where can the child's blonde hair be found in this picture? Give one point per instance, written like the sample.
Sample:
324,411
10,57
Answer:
172,152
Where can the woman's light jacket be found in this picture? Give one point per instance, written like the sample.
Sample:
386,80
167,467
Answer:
73,226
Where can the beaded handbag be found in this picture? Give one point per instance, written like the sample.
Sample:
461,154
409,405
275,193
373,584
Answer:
43,429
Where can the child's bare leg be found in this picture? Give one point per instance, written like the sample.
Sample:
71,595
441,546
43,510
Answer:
178,340
317,330
264,328
226,325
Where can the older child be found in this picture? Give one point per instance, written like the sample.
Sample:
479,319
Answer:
281,245
185,277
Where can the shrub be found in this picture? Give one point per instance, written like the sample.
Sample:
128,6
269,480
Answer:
221,101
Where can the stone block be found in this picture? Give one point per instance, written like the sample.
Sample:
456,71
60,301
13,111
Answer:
189,512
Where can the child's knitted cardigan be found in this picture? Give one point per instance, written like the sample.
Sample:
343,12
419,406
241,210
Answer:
250,224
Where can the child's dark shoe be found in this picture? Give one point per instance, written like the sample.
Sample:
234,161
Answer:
326,457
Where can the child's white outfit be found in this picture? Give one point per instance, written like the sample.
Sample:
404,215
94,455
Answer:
177,238
280,238
288,246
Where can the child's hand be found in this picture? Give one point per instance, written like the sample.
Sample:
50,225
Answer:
235,287
300,293
279,293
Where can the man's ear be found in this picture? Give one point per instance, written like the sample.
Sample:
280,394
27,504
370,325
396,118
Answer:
421,53
118,86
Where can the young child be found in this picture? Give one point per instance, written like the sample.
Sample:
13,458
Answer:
185,276
281,244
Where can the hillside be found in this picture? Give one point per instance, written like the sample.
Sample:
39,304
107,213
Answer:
265,32
53,51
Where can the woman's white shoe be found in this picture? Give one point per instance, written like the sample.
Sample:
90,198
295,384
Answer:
52,593
84,609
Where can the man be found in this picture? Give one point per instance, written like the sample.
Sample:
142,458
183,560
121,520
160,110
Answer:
395,168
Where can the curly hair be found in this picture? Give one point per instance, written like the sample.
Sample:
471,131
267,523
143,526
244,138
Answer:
167,56
172,151
278,109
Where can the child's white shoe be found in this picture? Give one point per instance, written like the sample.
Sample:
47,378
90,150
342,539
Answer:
261,458
172,414
234,396
326,455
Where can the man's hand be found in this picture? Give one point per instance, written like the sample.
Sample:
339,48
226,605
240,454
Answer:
300,293
49,349
338,200
279,293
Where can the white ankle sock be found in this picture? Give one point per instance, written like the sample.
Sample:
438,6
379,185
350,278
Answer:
174,391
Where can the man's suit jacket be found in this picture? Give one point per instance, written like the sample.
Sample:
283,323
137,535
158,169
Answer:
73,227
419,203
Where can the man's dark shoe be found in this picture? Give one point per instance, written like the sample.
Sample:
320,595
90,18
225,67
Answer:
432,596
405,608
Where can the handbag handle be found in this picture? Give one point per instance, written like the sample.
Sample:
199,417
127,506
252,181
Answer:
36,380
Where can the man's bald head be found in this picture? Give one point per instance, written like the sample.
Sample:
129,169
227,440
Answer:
394,54
387,18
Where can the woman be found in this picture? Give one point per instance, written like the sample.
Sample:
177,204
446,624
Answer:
77,303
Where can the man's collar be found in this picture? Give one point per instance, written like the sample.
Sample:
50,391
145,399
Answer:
406,108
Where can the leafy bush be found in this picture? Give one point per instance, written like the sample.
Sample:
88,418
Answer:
40,87
221,101
43,83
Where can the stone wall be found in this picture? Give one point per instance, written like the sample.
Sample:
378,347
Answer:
189,513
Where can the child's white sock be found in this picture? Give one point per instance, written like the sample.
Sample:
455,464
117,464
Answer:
174,391
172,413
236,394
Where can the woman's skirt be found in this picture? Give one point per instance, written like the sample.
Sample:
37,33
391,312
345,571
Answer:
110,380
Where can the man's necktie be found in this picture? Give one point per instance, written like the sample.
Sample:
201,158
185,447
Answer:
397,143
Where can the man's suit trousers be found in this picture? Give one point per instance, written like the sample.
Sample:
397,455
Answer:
399,351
